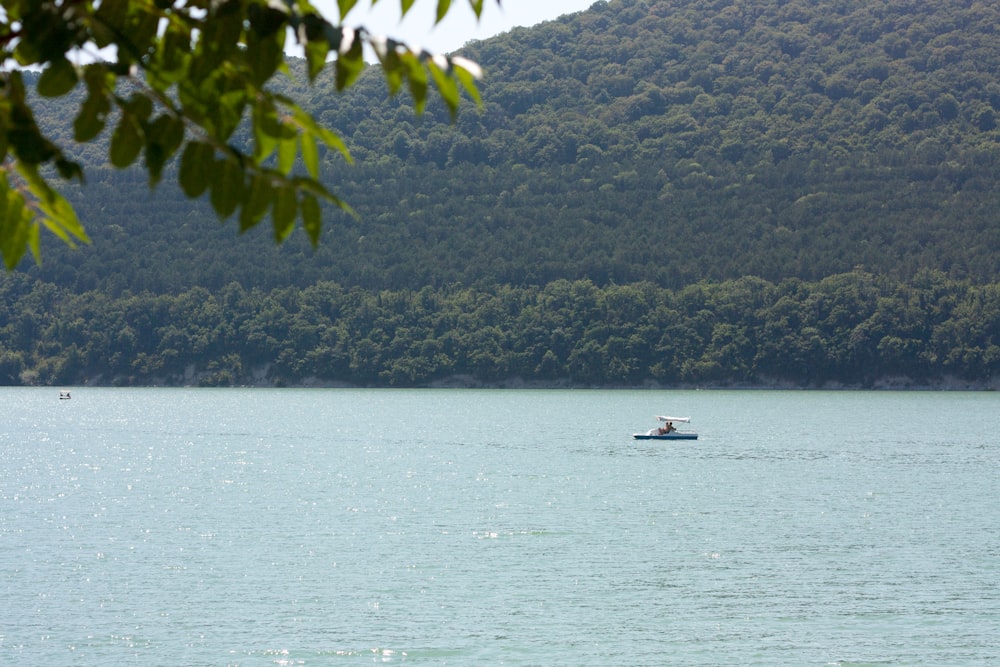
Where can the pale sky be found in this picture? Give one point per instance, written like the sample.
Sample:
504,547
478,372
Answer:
458,27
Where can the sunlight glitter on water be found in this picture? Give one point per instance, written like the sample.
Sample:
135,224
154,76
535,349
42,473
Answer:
204,527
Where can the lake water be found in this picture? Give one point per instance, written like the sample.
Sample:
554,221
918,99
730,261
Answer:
479,527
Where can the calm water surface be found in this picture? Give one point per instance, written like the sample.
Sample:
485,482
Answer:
433,527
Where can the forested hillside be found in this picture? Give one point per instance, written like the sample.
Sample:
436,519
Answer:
671,147
851,329
665,141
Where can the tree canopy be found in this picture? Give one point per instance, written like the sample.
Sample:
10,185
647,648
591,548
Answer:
180,78
853,329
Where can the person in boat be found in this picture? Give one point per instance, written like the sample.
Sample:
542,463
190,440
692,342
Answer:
663,430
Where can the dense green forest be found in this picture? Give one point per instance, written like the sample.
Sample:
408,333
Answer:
852,329
779,190
664,141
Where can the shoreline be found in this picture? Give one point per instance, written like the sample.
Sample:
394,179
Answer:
260,381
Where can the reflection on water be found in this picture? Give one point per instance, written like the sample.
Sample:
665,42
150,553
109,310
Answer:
320,527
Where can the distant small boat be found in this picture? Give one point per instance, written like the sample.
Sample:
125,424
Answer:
667,431
64,396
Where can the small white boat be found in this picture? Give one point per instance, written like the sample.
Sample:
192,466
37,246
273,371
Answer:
668,431
64,396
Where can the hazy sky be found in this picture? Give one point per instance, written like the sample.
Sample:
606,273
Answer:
458,27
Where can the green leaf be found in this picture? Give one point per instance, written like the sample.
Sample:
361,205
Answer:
61,220
57,214
468,82
227,186
350,64
287,151
477,7
446,85
141,28
392,68
171,59
23,134
29,144
126,141
4,125
283,212
226,111
317,189
44,34
264,54
69,169
219,41
318,37
110,21
16,225
94,110
258,200
268,130
316,57
310,154
196,166
57,79
312,218
310,126
163,137
442,10
416,78
267,20
345,7
140,105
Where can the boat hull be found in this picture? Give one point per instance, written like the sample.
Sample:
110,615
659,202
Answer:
668,436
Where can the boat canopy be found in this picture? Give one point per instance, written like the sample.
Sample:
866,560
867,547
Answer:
674,419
